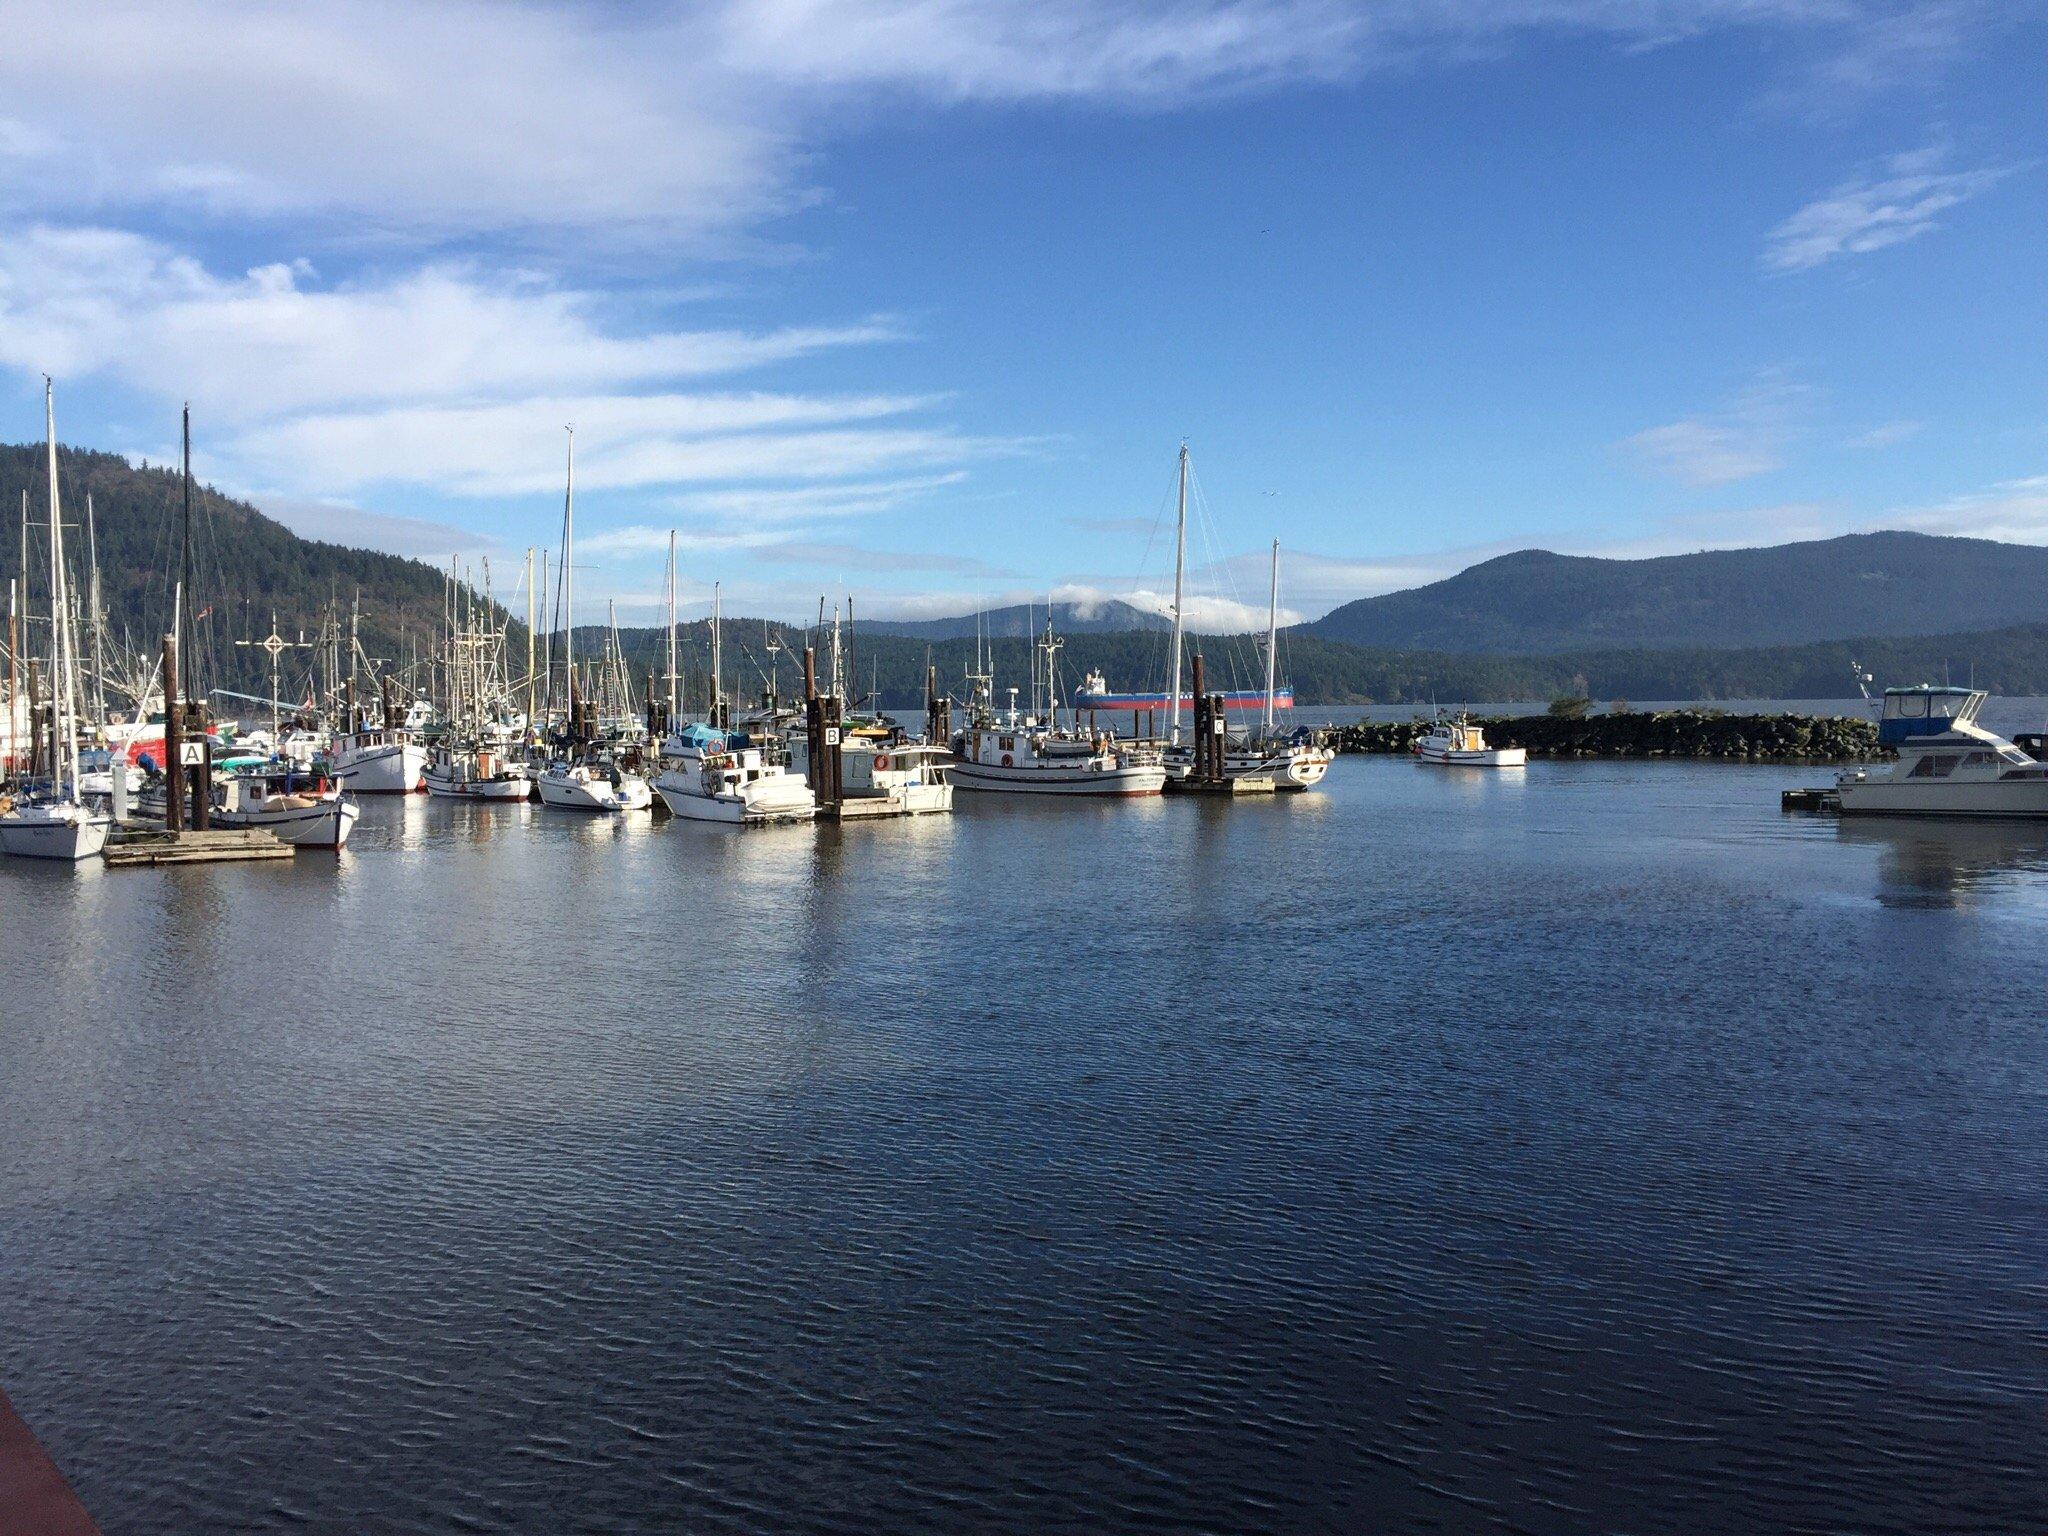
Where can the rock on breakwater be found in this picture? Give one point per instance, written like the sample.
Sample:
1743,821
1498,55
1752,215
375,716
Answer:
1663,733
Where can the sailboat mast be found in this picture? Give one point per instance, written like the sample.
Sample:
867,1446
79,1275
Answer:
568,579
529,637
671,624
63,711
99,619
1272,635
1180,562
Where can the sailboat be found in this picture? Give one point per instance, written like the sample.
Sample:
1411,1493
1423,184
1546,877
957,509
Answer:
1297,760
585,780
55,823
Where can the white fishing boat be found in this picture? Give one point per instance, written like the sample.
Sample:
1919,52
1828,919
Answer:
305,813
379,760
1456,742
1948,764
51,820
478,772
713,775
899,777
1015,752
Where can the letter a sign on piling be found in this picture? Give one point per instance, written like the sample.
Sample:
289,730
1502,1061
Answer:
191,754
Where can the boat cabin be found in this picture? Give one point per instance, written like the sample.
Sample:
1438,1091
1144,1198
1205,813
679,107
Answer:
1925,711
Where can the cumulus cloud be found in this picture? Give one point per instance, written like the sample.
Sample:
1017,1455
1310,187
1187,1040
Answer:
2015,511
1870,212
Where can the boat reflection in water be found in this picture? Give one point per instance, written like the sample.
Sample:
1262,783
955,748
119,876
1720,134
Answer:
1930,863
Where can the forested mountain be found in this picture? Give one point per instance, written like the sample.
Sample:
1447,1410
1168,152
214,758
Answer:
245,565
1535,602
1025,619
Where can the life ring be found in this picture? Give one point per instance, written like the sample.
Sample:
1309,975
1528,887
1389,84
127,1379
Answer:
1006,760
881,762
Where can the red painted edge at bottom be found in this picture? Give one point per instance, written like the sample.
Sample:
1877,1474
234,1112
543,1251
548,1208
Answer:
34,1498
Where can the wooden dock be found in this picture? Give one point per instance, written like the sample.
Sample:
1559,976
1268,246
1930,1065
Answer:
34,1498
134,849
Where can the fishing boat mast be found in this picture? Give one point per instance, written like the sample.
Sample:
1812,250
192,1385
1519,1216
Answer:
1180,561
717,659
1272,636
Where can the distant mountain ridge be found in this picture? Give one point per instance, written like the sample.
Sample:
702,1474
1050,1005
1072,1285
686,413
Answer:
1534,602
1110,616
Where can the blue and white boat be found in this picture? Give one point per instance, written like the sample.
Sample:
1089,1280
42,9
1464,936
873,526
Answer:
1948,764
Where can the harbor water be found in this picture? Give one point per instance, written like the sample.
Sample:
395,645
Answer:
1593,1148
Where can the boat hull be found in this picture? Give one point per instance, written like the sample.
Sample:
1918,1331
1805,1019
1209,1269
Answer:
394,770
730,810
573,795
1125,780
519,788
1491,757
325,825
65,839
2010,798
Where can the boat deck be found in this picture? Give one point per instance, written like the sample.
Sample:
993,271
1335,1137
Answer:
34,1498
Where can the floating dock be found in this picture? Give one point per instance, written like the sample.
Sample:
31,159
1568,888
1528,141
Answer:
140,848
1243,784
1824,802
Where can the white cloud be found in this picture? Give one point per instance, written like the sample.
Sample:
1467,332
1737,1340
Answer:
1744,439
1873,211
2015,511
274,340
1887,434
673,121
787,503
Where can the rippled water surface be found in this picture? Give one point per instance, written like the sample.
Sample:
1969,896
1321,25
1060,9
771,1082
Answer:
1592,1149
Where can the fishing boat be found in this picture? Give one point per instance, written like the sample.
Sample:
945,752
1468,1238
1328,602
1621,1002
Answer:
305,812
380,760
51,820
1948,764
476,772
730,777
1456,742
894,775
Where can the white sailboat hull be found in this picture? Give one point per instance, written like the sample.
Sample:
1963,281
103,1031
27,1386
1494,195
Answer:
65,833
387,770
1124,779
681,793
578,795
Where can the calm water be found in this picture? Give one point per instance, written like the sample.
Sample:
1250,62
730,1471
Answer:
1593,1149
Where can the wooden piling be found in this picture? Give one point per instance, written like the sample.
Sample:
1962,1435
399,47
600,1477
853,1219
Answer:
174,769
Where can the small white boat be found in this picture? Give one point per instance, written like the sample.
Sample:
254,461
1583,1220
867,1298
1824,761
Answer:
584,785
713,775
60,829
1461,744
476,773
1292,762
377,761
1948,764
306,815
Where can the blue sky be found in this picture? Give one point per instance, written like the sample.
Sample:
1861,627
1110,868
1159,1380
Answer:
916,301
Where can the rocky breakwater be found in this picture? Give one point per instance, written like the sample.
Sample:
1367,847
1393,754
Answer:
1663,733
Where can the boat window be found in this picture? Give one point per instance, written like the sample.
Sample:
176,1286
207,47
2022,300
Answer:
1934,766
1943,706
1913,705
